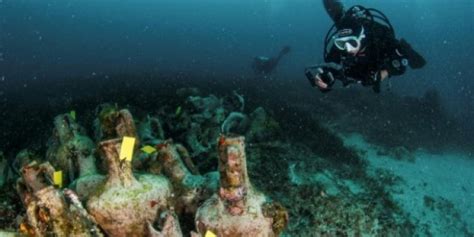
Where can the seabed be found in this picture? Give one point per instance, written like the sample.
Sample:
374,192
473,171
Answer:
308,164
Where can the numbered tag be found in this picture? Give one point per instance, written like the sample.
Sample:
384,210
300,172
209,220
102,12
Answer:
126,150
210,234
58,178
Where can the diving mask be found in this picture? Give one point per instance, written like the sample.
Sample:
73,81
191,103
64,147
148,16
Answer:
351,44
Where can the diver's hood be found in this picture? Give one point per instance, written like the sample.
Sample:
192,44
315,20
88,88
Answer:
349,26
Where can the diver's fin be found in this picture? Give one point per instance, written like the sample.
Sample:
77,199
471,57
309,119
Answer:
415,60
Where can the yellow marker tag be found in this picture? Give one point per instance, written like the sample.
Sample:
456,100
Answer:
73,114
58,178
210,234
126,151
148,149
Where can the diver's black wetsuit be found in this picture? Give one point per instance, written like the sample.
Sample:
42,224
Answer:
264,65
381,50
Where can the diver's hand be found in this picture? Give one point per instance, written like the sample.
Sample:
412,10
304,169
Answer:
324,75
320,83
319,79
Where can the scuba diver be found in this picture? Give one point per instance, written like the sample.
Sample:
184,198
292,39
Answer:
265,65
361,47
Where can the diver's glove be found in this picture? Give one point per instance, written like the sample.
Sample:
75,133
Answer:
323,76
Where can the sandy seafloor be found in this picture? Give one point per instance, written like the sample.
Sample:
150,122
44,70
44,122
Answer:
447,178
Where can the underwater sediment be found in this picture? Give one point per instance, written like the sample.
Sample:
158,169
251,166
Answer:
212,163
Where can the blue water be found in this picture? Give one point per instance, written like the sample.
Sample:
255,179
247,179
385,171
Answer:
42,39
